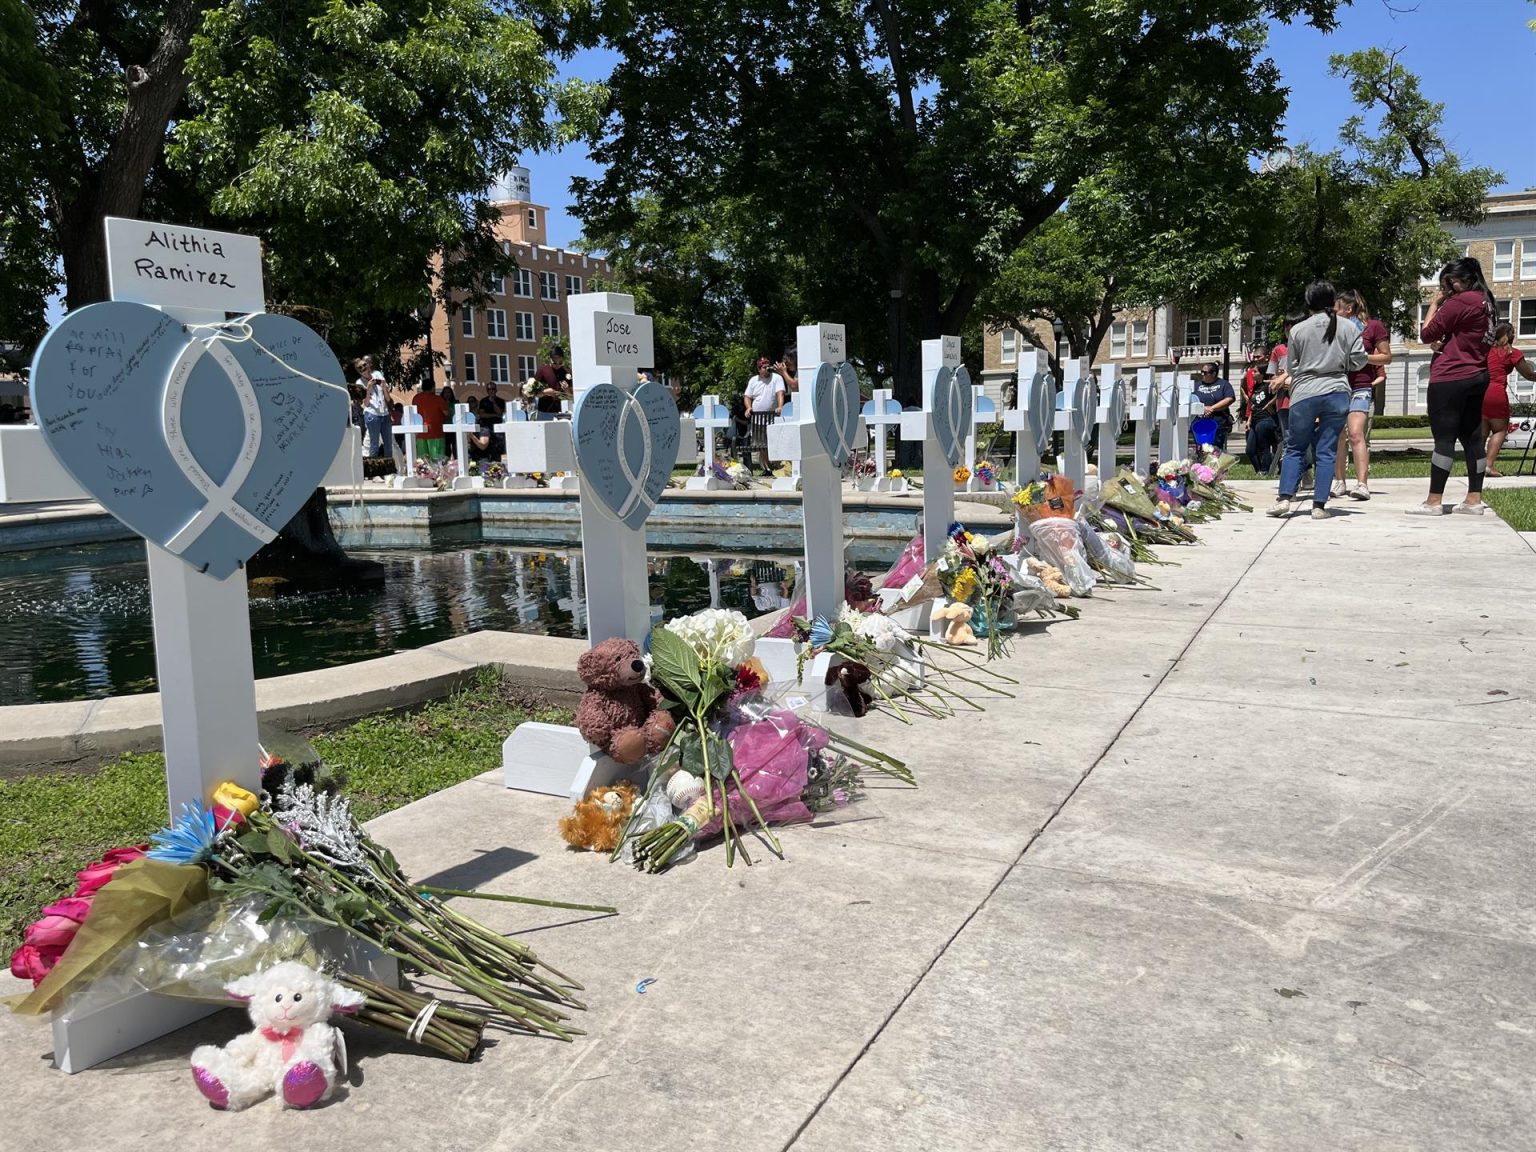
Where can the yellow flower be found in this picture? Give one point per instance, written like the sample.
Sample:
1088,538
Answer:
230,795
895,474
964,586
962,474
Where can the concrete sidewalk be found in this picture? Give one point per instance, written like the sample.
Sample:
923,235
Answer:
1095,926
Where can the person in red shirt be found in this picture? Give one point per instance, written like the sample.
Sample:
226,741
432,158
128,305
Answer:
1461,320
434,414
1351,305
1502,358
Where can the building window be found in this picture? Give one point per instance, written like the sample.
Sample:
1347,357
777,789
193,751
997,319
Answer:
1138,337
551,324
1423,315
496,323
467,321
549,286
526,367
506,247
1260,332
533,218
525,325
1008,343
498,285
1117,341
1191,332
573,285
1528,260
522,282
1213,331
1501,311
1528,317
1503,261
471,372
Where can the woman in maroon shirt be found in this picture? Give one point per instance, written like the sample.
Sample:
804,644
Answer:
1461,320
1502,358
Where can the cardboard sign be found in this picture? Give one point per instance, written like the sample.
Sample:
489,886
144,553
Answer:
183,267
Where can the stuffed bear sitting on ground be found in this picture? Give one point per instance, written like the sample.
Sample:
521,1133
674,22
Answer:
293,1050
620,715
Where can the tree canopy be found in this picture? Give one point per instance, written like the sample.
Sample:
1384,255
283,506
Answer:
894,156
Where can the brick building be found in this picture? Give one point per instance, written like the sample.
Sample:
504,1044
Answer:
500,341
1504,242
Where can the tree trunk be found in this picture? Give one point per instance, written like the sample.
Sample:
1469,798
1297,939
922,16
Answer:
305,557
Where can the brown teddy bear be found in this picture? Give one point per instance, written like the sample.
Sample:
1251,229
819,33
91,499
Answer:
620,714
959,616
598,821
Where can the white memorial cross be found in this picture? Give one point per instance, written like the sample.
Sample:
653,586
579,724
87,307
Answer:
1075,419
462,424
790,415
712,416
1140,413
983,411
202,625
1032,420
940,358
1110,418
1176,403
881,413
515,417
410,424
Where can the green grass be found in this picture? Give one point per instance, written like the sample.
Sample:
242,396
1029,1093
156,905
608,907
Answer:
1516,506
1407,464
53,825
1421,433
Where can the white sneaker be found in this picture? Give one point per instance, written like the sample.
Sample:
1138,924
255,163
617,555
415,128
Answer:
1359,492
1280,509
1339,488
1426,510
1469,509
1320,513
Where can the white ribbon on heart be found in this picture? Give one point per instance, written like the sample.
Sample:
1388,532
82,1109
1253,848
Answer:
954,405
220,497
635,480
842,426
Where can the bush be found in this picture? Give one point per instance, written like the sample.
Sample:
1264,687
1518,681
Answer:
1400,422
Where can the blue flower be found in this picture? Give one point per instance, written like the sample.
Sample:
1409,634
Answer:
821,632
189,840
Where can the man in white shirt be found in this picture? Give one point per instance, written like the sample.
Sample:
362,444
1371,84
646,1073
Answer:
763,401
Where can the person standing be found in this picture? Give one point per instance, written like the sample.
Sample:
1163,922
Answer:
763,401
1263,425
1461,319
1502,358
556,378
1216,394
376,417
434,414
1322,351
1362,393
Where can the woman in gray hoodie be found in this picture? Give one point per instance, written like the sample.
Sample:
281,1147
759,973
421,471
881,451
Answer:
1322,354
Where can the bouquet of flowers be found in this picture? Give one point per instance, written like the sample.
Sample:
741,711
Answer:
440,472
962,475
735,760
986,473
1128,508
531,389
971,572
492,470
1048,496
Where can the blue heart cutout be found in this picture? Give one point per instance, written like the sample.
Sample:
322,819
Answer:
204,446
952,412
835,409
626,446
1042,411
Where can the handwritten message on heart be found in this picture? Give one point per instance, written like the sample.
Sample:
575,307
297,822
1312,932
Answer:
952,412
205,442
835,409
626,446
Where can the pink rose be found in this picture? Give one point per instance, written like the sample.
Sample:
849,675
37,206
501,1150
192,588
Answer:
96,876
51,932
29,963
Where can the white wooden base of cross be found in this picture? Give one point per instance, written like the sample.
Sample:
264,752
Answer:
203,666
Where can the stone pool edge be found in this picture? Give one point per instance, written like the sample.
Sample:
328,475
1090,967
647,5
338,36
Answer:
57,737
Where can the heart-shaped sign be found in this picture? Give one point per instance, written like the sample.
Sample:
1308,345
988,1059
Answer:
1112,408
952,412
626,445
205,442
1085,405
1042,410
835,408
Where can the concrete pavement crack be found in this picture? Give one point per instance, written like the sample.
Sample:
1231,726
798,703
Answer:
1028,844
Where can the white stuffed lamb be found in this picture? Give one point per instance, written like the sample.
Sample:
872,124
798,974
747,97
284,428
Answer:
293,1050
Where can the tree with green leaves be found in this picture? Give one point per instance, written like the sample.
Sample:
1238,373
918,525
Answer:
901,153
1370,213
357,140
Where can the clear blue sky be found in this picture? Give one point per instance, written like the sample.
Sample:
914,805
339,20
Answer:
1475,56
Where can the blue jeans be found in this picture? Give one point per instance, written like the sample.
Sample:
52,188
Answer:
1315,424
1263,438
377,426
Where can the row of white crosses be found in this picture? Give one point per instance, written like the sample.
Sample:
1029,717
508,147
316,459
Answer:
202,625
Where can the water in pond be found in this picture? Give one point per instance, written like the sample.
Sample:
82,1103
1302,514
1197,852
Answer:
77,619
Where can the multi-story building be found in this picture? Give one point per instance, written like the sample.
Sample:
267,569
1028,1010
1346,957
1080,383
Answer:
1504,243
500,340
